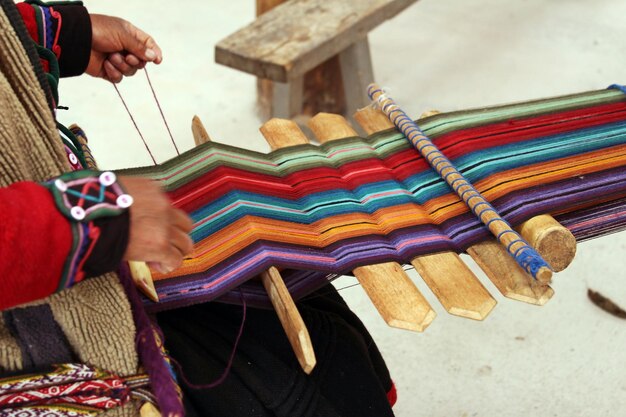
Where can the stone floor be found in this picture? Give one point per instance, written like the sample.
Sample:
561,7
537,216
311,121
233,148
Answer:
565,359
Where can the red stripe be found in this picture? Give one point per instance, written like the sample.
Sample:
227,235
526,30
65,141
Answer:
28,16
392,395
460,142
398,166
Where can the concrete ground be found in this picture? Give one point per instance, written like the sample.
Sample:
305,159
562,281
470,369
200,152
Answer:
565,359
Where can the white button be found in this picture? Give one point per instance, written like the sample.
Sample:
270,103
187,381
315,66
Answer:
107,178
61,186
77,212
124,201
73,159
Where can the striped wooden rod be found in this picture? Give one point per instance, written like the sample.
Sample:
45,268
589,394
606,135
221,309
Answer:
523,253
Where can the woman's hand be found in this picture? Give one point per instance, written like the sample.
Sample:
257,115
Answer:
119,49
159,232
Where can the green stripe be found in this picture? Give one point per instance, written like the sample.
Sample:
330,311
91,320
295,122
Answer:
285,161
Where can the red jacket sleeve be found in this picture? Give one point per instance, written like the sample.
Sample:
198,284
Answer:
35,241
28,16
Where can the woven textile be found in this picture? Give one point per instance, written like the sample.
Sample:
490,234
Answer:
66,390
320,211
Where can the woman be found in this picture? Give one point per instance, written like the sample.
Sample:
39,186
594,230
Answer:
91,322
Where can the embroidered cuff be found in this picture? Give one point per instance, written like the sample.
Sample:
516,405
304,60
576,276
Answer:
88,199
87,195
110,247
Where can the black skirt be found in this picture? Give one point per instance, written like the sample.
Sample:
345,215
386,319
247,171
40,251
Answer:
349,380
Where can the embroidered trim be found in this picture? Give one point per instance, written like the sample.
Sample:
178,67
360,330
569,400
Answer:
67,390
74,148
85,237
48,22
56,48
83,196
86,195
52,411
52,70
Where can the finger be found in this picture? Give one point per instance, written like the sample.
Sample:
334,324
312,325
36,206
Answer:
120,64
161,267
153,50
158,266
181,220
170,259
112,74
142,45
134,61
181,241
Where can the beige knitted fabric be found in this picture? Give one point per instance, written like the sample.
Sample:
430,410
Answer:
95,315
10,356
31,148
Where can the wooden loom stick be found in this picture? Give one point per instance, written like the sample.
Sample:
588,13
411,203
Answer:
141,275
506,274
200,134
510,279
552,240
277,291
392,292
516,246
454,284
290,318
149,410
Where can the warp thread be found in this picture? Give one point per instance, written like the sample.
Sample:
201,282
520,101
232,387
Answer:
132,118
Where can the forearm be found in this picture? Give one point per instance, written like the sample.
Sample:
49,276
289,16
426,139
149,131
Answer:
45,247
35,240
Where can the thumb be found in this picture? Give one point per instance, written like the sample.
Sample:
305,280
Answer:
142,45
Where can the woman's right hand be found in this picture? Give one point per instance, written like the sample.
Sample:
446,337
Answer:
159,232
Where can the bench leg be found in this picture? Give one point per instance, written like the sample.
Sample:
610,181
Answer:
287,98
357,73
290,99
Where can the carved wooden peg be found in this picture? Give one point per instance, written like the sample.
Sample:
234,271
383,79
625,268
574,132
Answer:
391,290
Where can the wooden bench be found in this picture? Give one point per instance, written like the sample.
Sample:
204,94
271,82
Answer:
315,52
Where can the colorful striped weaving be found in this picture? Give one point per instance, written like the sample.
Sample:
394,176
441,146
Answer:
516,246
321,211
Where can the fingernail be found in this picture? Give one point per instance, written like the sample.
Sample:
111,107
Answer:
165,269
150,54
